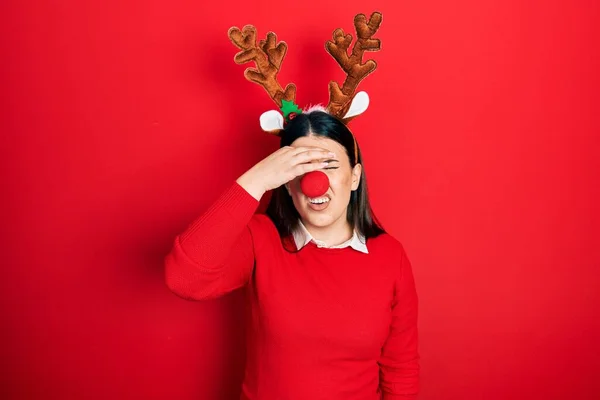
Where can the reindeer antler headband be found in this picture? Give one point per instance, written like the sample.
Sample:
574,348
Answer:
268,56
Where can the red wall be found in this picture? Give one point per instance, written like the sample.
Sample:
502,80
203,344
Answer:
123,120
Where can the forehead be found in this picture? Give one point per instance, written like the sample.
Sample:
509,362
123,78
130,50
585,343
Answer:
319,141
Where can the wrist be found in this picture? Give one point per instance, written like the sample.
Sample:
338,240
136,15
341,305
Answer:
251,185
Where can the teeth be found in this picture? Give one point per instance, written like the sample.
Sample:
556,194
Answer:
319,200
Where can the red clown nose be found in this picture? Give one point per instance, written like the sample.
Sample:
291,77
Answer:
314,184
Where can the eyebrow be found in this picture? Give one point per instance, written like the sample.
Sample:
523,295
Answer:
332,160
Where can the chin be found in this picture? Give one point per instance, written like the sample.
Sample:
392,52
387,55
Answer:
316,218
319,220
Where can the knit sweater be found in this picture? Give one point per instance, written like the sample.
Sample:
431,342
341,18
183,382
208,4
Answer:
323,323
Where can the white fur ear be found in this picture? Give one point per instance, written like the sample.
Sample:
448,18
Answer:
359,105
271,121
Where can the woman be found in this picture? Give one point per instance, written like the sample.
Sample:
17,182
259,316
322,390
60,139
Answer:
332,303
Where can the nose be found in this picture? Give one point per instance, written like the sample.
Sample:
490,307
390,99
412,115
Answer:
314,184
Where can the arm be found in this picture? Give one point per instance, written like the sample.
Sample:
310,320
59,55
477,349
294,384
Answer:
215,254
399,362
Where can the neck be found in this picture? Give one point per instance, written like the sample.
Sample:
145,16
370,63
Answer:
333,234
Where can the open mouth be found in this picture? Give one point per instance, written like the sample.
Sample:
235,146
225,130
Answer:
318,200
318,203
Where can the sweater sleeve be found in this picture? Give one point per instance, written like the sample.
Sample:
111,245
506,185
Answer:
215,254
399,361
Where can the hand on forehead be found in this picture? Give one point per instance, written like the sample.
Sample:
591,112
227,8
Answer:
321,143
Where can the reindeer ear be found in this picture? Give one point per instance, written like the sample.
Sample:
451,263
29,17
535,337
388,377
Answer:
359,105
271,121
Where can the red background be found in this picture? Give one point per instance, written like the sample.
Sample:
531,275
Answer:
123,120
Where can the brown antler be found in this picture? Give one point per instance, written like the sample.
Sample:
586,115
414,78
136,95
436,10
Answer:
267,56
340,98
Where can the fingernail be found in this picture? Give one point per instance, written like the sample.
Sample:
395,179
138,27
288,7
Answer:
331,154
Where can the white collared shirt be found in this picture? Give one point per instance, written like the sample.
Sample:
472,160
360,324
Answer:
302,237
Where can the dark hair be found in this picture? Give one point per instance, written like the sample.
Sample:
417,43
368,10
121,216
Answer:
281,207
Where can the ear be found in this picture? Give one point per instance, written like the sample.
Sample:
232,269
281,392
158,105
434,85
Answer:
356,173
271,121
359,105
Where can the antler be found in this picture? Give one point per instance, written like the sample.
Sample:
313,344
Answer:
340,98
267,56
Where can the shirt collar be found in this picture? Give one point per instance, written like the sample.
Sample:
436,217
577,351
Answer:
302,237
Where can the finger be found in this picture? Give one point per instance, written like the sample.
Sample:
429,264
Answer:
302,149
312,155
282,152
284,149
301,169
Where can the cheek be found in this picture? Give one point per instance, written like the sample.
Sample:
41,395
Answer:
342,191
340,181
294,185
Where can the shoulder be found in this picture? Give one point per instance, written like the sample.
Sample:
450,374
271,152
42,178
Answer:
265,236
262,228
386,244
261,221
390,252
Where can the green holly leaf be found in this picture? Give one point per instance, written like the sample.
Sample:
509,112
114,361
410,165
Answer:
289,107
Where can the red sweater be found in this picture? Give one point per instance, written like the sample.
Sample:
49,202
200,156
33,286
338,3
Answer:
330,324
